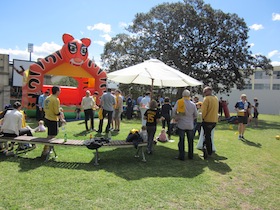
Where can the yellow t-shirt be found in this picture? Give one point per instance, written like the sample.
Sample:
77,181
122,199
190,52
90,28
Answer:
23,121
51,108
210,108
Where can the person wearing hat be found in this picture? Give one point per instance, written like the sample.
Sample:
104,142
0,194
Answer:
184,113
13,124
88,105
209,109
243,108
144,106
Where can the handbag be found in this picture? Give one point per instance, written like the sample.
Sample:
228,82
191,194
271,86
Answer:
100,114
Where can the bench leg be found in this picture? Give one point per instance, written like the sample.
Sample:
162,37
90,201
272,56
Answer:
96,158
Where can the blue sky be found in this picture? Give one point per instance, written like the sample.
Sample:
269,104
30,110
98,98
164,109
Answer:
44,22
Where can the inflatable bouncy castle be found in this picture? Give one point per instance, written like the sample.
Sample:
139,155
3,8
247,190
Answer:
71,60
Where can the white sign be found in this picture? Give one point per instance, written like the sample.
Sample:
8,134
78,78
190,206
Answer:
18,68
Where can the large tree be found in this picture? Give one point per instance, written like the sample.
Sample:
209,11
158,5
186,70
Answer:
207,44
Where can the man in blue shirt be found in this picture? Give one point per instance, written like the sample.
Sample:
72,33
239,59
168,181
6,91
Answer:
41,103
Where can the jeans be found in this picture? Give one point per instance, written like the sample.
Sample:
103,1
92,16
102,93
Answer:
110,115
89,114
151,130
181,143
208,127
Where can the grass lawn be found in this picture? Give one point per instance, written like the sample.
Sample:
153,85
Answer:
241,175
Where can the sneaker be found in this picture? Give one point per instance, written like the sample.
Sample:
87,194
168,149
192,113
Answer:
239,137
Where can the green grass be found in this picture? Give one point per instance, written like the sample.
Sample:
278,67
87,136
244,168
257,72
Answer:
241,175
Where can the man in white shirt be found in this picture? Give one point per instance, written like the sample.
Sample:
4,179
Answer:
144,105
88,104
12,123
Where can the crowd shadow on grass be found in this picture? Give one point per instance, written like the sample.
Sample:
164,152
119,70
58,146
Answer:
121,162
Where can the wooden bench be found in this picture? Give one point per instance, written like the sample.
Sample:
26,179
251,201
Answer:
60,142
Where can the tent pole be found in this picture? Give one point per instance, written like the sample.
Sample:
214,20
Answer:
152,88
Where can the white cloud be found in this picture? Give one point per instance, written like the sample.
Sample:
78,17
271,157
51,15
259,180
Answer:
273,53
107,37
101,43
275,63
39,51
106,28
275,16
256,27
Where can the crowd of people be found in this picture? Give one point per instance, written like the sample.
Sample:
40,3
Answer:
188,114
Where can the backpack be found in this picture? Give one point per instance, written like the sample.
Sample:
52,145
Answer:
2,114
134,137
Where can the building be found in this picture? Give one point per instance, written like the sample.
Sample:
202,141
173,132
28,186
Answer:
262,86
4,81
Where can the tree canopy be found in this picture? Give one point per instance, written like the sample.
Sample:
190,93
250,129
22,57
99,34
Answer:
191,36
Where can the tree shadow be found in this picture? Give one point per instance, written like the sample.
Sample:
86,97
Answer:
121,162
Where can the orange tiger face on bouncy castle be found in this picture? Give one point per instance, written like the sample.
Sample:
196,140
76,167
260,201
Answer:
71,60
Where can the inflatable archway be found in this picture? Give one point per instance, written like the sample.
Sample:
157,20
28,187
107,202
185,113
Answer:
71,60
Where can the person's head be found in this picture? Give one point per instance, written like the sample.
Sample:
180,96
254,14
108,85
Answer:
198,104
195,99
55,90
153,104
87,93
255,99
109,90
118,92
47,92
17,105
162,131
166,100
143,128
207,91
147,93
186,93
60,109
41,122
243,97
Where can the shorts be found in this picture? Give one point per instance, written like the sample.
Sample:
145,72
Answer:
52,127
243,119
117,114
256,114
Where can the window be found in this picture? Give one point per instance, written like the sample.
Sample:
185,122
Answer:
258,75
276,75
276,87
248,86
262,86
